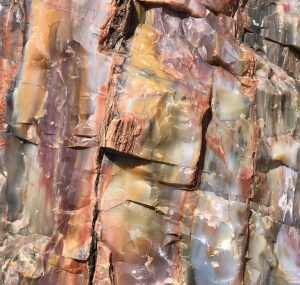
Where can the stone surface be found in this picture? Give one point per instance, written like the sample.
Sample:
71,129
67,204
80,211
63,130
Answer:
149,142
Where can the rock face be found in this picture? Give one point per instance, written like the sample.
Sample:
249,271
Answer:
149,142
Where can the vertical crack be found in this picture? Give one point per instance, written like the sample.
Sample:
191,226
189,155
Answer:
206,120
247,234
111,271
92,260
207,117
246,246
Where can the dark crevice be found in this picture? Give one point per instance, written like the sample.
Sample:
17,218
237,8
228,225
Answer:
111,271
277,42
206,120
143,205
183,187
257,35
92,259
246,246
113,153
147,206
207,117
254,119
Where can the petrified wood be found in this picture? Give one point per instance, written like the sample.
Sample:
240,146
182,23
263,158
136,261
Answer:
149,142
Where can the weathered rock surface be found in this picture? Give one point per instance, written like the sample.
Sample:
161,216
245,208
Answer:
149,142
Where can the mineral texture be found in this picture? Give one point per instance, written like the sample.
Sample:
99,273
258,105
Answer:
149,142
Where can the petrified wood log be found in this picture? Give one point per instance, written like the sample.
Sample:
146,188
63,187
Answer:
149,142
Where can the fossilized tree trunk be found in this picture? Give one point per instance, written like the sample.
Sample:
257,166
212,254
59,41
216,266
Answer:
149,142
